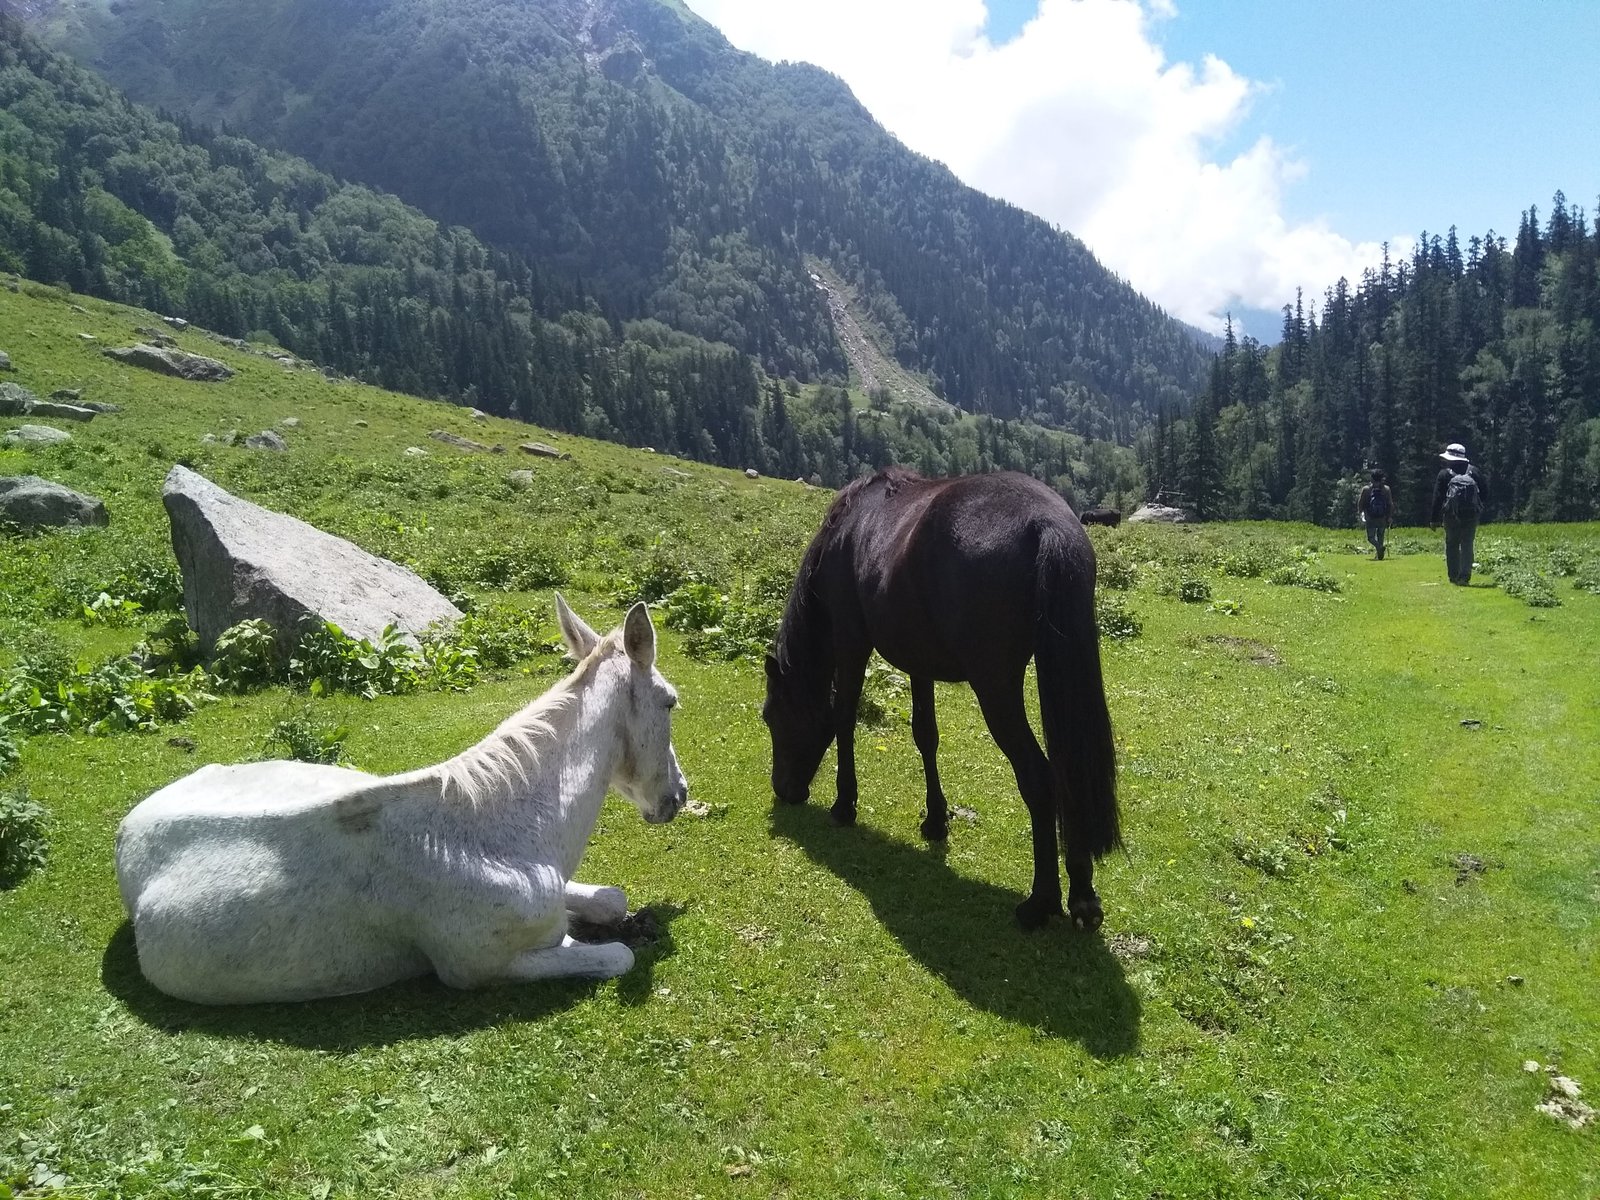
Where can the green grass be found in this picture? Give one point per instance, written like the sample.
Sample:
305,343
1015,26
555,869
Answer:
1303,988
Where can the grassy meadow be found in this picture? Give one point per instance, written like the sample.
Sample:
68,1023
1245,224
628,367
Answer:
1360,890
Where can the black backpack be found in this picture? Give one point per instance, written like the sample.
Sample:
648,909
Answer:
1377,502
1461,497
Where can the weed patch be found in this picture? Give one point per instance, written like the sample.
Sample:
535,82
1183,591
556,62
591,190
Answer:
23,840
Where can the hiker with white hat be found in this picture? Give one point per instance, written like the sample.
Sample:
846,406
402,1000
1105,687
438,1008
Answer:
1459,498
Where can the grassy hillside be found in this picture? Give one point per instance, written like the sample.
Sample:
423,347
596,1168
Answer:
1345,919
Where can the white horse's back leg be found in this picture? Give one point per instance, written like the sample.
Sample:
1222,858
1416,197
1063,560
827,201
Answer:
606,960
596,905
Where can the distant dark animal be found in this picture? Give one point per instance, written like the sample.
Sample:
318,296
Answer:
960,580
1102,516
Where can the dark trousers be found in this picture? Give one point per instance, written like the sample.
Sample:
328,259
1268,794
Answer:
1458,537
1375,531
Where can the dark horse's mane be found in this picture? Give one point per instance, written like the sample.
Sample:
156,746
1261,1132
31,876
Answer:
799,623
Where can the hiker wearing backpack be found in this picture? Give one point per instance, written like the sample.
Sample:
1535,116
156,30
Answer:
1376,507
1459,498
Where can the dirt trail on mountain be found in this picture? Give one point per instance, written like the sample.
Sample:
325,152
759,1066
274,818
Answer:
873,368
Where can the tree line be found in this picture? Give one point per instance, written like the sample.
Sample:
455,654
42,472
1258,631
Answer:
1494,344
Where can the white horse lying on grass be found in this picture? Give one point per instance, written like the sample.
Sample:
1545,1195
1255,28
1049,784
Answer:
292,881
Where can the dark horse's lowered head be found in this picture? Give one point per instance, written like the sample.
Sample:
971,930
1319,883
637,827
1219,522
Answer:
959,580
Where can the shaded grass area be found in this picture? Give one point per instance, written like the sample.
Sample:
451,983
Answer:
1305,985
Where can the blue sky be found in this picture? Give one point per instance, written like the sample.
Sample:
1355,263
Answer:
1219,154
1409,116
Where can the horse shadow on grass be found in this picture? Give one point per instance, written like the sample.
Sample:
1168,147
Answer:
415,1008
1059,980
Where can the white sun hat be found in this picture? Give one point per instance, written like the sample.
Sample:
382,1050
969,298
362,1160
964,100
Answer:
1454,452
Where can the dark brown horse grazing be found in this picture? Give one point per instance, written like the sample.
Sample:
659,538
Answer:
956,579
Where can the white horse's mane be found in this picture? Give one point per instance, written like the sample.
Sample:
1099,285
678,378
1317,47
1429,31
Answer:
500,767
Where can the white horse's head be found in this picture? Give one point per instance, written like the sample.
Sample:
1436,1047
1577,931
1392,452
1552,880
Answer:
647,769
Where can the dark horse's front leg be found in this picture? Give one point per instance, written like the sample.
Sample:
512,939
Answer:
925,729
1007,718
848,677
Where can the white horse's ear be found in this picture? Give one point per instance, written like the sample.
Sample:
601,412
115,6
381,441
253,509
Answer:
580,639
639,636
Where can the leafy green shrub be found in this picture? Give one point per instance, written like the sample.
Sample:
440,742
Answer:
1301,574
1247,561
1115,619
246,656
519,567
1562,560
1228,608
154,583
885,695
660,576
169,646
447,666
1270,858
304,736
10,750
1117,572
23,841
330,660
1528,586
1587,578
500,636
695,606
113,611
737,624
1194,591
118,695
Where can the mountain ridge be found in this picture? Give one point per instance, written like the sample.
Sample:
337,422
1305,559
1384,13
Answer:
628,144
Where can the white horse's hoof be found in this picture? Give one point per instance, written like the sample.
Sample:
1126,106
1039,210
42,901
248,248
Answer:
614,959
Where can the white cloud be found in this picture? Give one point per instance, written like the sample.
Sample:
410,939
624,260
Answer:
1082,120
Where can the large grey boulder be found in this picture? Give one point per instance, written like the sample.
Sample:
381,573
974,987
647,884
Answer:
16,400
171,361
35,435
32,502
1160,514
240,560
455,439
543,450
63,412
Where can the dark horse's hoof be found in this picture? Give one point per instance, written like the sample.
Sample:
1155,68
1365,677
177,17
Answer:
1086,913
1033,913
936,829
842,814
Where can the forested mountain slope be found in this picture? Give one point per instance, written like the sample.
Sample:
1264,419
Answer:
103,197
626,144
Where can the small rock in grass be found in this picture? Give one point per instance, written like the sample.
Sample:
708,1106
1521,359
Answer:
1530,1066
5,362
266,440
416,452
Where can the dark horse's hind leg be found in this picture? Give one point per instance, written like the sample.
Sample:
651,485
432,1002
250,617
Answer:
848,677
925,729
1007,717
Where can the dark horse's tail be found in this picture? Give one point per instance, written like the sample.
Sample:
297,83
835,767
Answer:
1072,698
